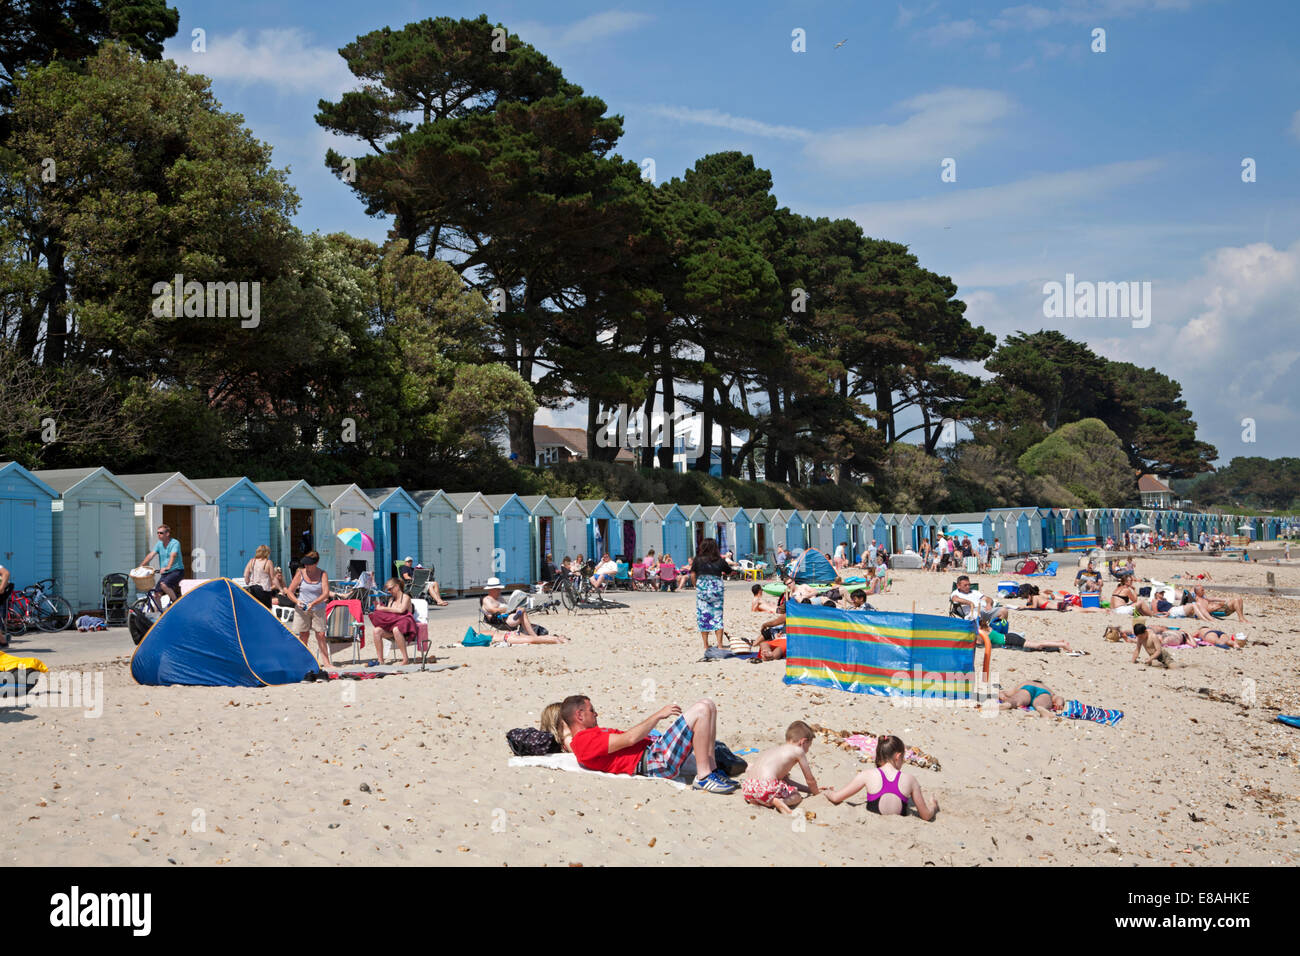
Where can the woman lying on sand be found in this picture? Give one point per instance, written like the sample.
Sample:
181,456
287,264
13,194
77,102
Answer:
1042,700
888,794
1172,637
556,727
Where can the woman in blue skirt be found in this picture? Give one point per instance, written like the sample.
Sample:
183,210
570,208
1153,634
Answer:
707,570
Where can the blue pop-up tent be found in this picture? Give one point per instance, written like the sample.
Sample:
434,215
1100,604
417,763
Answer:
220,636
812,567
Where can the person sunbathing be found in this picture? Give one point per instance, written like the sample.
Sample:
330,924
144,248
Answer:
767,782
553,723
762,603
605,572
770,650
635,752
517,628
1042,700
1225,606
1041,602
888,795
1001,636
1169,636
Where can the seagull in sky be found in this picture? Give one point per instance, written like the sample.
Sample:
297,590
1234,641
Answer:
841,43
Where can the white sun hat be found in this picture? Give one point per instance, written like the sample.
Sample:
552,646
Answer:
493,583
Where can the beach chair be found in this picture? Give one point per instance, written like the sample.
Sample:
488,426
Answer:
640,580
284,614
995,565
420,611
972,565
668,575
419,581
343,625
622,577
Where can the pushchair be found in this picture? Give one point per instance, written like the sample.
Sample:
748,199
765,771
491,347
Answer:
113,591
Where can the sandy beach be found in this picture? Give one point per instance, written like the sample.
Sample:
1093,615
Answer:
413,769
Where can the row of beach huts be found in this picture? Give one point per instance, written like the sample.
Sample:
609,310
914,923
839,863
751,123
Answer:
78,525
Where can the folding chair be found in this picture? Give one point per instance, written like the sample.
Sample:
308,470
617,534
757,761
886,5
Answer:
343,625
419,581
622,577
640,580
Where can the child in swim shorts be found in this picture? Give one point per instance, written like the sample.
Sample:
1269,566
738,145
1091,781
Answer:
767,782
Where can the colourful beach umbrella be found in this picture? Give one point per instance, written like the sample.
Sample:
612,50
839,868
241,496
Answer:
356,539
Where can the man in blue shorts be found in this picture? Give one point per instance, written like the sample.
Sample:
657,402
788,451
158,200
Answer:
636,752
168,552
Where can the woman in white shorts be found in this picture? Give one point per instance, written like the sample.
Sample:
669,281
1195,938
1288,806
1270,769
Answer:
309,591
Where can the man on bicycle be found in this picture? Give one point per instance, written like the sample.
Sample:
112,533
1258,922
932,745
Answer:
168,552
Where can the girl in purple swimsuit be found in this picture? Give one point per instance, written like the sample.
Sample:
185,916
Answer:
888,793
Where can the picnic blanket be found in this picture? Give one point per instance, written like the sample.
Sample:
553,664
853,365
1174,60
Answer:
568,763
1075,710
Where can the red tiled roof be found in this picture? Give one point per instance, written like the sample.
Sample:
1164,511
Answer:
1152,483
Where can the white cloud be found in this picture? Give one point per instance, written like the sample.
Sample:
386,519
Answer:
1032,17
739,124
283,58
907,14
953,31
944,123
1226,333
592,29
1033,197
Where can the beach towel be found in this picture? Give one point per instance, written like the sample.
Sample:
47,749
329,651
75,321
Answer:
568,763
1075,710
1289,719
392,621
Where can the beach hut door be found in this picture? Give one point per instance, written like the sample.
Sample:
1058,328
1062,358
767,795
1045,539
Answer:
205,550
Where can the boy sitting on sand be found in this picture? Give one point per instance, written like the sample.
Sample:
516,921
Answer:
1152,644
768,783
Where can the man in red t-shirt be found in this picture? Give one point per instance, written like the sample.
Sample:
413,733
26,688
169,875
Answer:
636,752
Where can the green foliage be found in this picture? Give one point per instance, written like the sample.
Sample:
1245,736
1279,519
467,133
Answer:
1082,462
1248,482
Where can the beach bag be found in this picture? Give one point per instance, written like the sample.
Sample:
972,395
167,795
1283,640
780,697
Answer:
473,639
531,742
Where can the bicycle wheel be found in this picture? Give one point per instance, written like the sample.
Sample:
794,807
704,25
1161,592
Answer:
1020,566
140,618
53,613
569,597
15,621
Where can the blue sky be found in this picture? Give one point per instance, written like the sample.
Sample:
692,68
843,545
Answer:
1115,166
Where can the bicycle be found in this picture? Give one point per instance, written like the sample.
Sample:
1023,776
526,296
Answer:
1039,557
37,606
144,613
